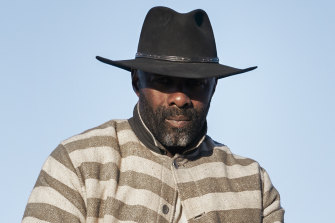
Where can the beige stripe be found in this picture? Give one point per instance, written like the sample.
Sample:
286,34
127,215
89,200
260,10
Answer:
148,167
266,181
272,207
94,141
61,173
33,220
137,149
121,121
270,196
146,182
126,136
231,216
100,189
50,213
50,196
219,185
131,196
73,195
123,211
115,124
101,155
222,201
211,170
277,216
106,218
108,131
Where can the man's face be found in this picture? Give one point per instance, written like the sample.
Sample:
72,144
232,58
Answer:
174,109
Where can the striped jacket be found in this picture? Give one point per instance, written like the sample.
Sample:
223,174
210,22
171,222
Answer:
107,174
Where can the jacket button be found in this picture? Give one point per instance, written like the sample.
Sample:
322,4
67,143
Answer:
165,209
175,164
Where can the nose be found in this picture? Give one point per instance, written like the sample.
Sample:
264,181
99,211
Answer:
180,99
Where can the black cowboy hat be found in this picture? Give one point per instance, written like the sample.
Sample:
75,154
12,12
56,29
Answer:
178,45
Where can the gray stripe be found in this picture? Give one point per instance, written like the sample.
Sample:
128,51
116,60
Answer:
143,181
270,196
118,209
220,185
231,216
73,196
136,149
99,171
61,155
49,213
275,216
102,126
133,179
123,126
229,159
217,155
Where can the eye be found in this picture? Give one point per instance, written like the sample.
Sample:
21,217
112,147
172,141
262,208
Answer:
197,83
163,80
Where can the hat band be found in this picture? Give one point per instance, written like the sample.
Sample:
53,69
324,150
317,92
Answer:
178,58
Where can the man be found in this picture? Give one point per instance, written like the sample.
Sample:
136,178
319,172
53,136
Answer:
158,166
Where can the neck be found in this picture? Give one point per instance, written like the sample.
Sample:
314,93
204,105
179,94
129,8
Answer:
148,139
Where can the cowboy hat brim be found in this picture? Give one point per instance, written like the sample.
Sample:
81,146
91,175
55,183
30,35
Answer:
176,69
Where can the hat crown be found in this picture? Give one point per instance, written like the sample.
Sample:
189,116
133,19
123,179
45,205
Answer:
177,45
166,32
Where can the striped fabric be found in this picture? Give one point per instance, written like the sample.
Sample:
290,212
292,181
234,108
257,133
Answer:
107,175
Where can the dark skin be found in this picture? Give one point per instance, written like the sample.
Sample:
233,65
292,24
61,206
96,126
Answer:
167,92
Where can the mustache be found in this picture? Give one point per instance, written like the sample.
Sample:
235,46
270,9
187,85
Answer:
190,113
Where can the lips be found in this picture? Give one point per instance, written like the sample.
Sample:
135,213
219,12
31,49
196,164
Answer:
178,121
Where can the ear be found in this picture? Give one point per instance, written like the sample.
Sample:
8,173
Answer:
135,81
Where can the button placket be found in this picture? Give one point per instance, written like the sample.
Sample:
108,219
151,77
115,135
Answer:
167,202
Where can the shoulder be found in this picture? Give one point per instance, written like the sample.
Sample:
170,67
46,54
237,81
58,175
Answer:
105,132
241,165
224,154
99,144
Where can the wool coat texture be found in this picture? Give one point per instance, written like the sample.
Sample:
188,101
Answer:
107,174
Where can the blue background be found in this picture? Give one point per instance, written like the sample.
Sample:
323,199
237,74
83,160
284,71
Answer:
281,114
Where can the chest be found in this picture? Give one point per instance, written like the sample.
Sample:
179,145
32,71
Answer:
146,187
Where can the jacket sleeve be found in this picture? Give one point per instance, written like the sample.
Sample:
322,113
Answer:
57,195
272,210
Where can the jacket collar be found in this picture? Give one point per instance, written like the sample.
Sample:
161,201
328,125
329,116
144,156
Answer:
147,138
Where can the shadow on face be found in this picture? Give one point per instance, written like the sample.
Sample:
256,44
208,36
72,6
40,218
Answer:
192,89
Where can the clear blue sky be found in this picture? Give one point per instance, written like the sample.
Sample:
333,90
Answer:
281,114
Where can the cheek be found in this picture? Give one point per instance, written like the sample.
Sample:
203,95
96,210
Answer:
199,105
201,95
201,101
153,97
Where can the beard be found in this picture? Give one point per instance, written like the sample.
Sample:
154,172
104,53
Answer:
171,137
